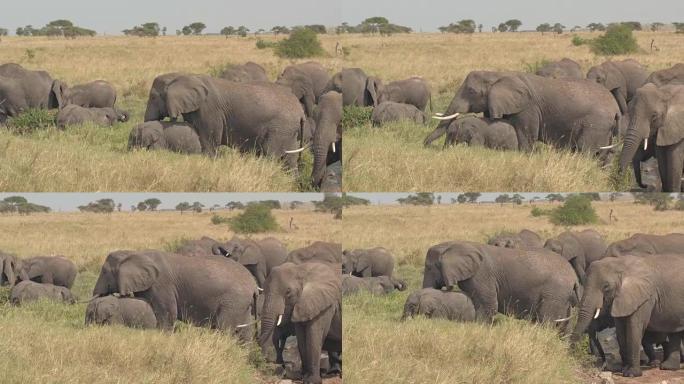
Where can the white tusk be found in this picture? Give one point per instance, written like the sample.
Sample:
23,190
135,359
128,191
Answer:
333,147
260,289
439,114
598,312
563,320
451,117
297,150
645,144
280,320
243,325
609,147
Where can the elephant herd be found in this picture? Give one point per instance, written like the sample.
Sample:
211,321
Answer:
633,285
230,286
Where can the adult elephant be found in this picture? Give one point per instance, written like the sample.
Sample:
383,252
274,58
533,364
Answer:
318,252
258,256
357,88
525,239
57,270
175,137
642,294
314,71
580,249
22,89
327,138
209,291
9,270
538,284
250,116
368,262
96,94
668,76
656,114
437,304
250,71
645,244
309,297
413,91
621,78
566,69
572,114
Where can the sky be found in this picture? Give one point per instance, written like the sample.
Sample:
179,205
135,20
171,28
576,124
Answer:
111,17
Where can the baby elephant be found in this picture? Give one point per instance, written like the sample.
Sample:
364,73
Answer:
433,304
380,285
176,137
128,311
27,291
477,131
73,114
390,111
525,239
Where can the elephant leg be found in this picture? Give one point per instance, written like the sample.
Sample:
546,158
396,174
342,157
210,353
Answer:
315,332
621,336
647,343
671,352
636,165
670,164
210,134
335,362
635,326
527,130
47,278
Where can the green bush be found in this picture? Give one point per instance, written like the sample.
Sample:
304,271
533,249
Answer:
538,212
618,40
576,210
354,116
577,41
218,220
256,218
302,43
32,120
263,44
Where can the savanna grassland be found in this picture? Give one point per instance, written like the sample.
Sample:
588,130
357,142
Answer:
48,342
381,348
392,158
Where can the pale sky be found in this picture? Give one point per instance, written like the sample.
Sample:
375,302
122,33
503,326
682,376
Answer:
113,16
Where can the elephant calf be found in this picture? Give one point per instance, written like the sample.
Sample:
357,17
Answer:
245,73
437,304
28,291
566,69
74,114
368,262
176,137
380,285
57,270
390,111
524,239
197,248
131,312
476,131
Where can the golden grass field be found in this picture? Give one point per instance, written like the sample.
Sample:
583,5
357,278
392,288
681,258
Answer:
381,348
47,342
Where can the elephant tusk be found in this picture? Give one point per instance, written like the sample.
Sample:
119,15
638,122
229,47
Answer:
563,320
609,146
280,320
439,114
645,144
297,150
260,289
450,117
116,294
598,312
245,325
333,147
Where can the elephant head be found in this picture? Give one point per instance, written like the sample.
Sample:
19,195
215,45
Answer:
317,252
103,311
302,87
247,253
424,302
126,273
447,264
8,269
565,245
156,102
148,135
66,295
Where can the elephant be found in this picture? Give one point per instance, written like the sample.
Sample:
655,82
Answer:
126,311
258,256
413,91
390,111
379,285
57,270
668,76
578,115
327,138
9,270
632,288
245,73
318,252
73,114
308,297
198,248
316,73
209,291
566,69
538,284
477,131
250,116
436,304
175,137
524,239
27,291
621,78
656,114
368,262
22,89
645,244
580,249
96,94
357,88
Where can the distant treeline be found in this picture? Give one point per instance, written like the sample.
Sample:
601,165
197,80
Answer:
513,25
56,28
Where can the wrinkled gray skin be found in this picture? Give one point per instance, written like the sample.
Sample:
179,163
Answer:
414,91
96,94
314,71
245,73
477,131
21,89
27,291
368,262
621,78
668,76
642,293
198,248
379,285
389,111
566,69
57,270
73,115
307,296
318,252
535,284
156,105
640,244
332,179
179,290
9,269
578,115
436,304
580,249
259,257
656,115
127,311
175,137
357,88
525,239
327,139
250,116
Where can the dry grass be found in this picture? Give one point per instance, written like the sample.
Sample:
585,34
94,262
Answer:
424,351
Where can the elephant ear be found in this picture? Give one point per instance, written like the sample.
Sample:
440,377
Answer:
372,89
571,248
634,291
508,96
316,297
137,273
459,264
362,263
614,77
57,94
185,95
672,131
251,255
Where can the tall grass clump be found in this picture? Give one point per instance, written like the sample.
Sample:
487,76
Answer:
257,218
32,120
618,40
302,43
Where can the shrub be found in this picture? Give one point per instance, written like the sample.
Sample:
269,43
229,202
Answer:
617,40
577,41
218,220
354,116
302,43
31,120
263,44
576,210
538,212
256,218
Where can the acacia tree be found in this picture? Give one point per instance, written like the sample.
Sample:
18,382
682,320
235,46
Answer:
184,206
513,25
152,204
546,27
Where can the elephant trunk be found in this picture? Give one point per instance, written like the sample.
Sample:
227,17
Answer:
637,132
590,309
271,317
